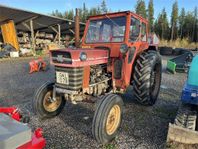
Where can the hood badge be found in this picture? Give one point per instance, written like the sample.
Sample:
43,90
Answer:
60,58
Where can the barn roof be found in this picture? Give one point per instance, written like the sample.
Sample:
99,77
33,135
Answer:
41,22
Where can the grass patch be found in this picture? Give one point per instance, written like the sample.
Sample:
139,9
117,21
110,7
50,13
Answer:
179,43
39,52
171,145
126,128
110,146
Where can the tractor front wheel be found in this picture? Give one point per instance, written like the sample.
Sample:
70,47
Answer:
44,105
107,118
147,77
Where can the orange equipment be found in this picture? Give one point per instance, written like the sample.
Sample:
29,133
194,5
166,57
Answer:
9,34
37,65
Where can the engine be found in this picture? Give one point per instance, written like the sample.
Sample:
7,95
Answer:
99,80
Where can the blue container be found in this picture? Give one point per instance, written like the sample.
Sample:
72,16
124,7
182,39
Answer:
193,72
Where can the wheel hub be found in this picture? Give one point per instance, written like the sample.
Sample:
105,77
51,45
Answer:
113,119
49,104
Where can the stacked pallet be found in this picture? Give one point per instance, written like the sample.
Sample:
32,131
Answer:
41,40
24,40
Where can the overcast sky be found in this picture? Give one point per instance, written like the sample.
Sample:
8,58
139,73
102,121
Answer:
47,6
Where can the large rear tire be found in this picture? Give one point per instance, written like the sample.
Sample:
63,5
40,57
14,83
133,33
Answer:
43,105
107,118
147,77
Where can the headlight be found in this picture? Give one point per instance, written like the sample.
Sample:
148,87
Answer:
123,48
83,56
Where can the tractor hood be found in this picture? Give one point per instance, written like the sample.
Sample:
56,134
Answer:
78,57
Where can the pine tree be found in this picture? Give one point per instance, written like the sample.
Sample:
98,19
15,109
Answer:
165,24
70,14
181,22
188,25
85,13
98,10
174,19
57,14
104,7
140,8
161,25
151,15
195,26
93,11
80,13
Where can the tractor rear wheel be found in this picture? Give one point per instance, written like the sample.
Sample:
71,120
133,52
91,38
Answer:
43,104
107,118
147,77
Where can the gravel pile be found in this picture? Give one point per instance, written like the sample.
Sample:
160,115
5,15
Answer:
142,127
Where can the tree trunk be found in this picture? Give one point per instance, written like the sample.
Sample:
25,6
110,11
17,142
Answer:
181,34
172,32
193,32
162,36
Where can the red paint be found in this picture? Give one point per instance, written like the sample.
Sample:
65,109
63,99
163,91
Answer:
37,142
12,111
86,76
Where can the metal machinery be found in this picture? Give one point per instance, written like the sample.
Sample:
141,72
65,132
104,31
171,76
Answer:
114,54
180,63
14,134
37,65
184,129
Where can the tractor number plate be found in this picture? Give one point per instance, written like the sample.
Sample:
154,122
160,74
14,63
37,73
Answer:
62,78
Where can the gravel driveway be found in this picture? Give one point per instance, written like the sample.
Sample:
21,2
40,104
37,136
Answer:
142,127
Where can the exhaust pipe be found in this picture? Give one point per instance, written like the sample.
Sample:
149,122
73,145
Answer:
77,29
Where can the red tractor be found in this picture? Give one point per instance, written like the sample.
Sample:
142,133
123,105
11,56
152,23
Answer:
114,54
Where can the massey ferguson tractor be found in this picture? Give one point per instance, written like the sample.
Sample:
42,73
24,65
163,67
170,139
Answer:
113,55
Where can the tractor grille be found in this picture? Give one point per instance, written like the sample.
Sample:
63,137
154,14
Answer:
62,57
74,80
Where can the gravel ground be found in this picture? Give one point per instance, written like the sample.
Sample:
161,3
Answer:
142,127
